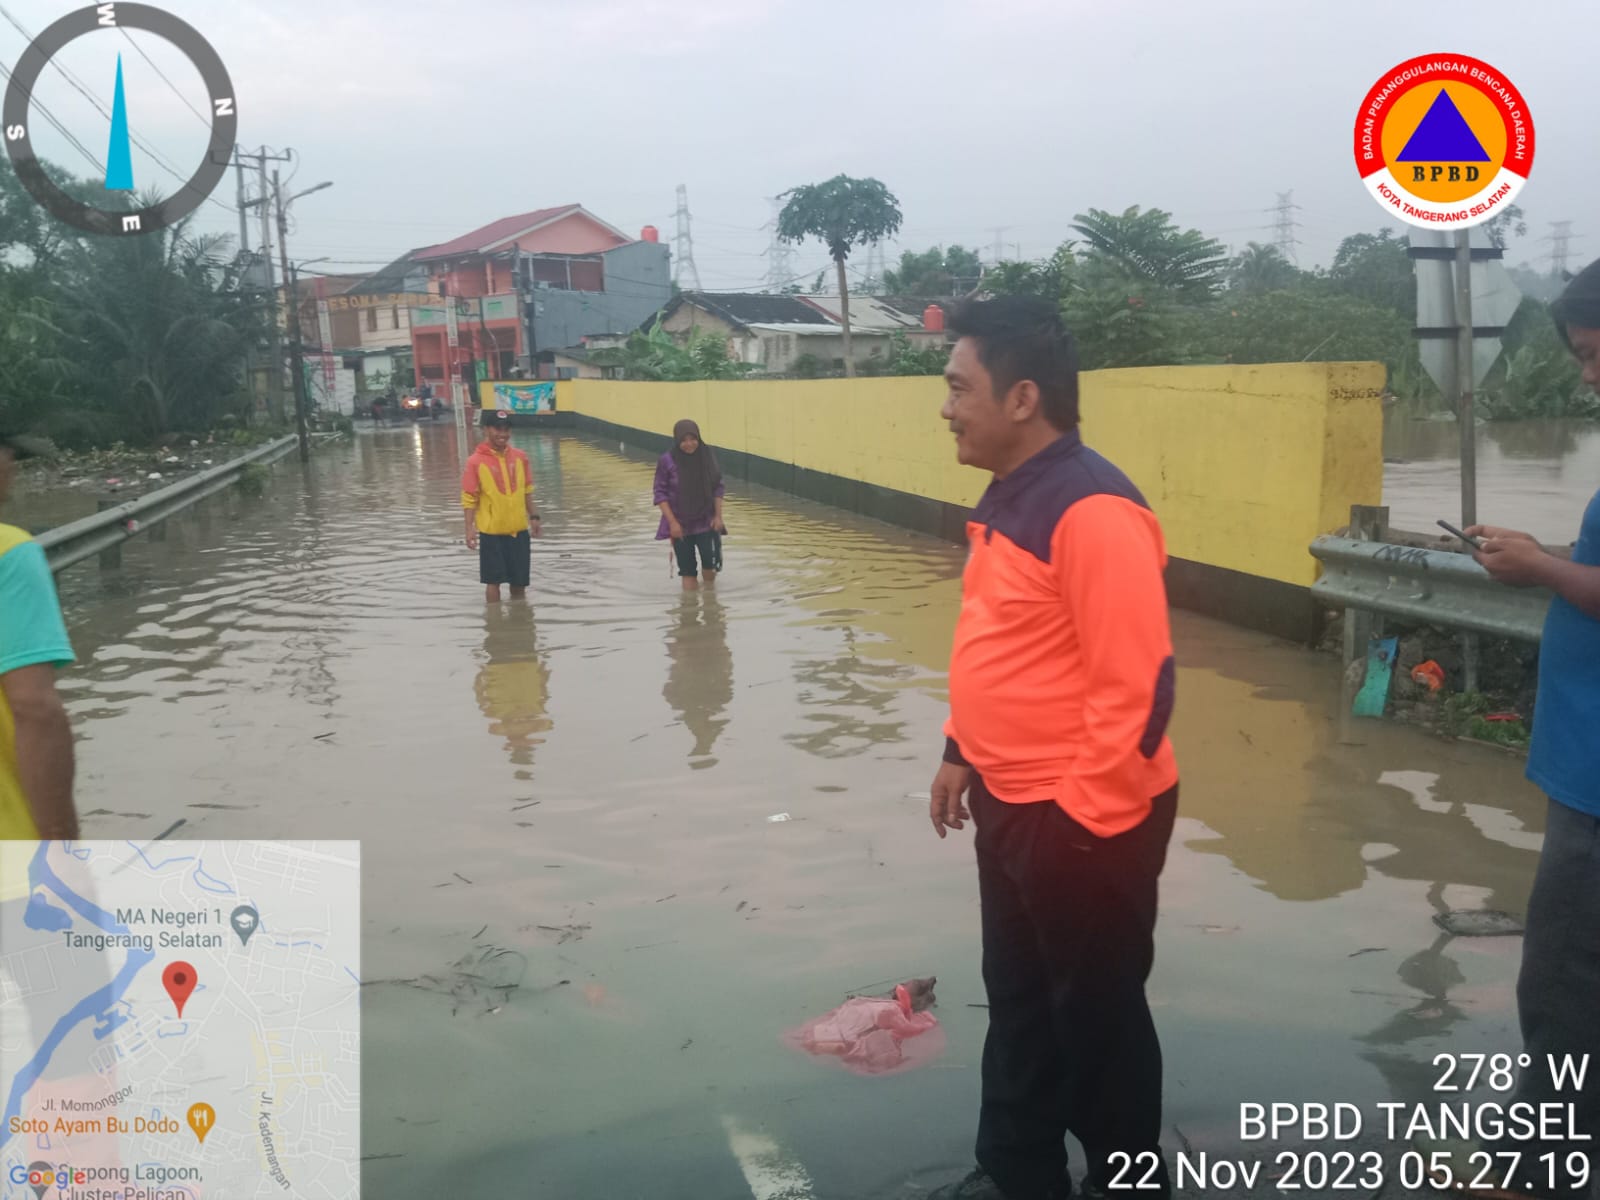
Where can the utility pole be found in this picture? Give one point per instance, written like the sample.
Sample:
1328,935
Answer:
244,224
1284,227
294,316
264,201
683,244
457,395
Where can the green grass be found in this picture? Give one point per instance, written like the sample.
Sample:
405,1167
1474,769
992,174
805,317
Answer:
1464,715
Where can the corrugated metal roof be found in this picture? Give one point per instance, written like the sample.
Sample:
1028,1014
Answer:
507,228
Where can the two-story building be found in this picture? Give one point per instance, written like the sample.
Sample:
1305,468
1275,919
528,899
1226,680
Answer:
536,281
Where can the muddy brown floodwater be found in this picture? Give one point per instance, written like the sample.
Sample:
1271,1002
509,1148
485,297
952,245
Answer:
1532,475
583,934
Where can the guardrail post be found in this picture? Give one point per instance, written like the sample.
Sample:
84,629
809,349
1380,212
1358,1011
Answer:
111,556
1368,523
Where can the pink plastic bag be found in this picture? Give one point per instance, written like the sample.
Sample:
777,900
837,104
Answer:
873,1036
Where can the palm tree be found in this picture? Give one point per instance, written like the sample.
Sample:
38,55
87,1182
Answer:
1149,246
163,317
1261,269
841,213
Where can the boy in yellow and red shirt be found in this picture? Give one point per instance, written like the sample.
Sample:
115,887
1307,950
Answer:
497,494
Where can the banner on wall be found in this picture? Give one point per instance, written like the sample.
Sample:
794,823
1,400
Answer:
525,397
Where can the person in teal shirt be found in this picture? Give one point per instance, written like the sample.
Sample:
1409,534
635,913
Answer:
36,761
1558,987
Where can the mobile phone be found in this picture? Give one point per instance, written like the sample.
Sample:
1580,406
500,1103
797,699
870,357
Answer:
1451,529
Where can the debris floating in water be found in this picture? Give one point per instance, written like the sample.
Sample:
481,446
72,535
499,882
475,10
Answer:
1478,922
776,817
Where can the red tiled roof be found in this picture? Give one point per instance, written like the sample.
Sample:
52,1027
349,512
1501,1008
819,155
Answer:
496,231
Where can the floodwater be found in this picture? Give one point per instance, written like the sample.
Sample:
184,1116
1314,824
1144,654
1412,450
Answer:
1536,476
583,932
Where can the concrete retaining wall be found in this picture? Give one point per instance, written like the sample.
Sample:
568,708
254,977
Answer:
1244,465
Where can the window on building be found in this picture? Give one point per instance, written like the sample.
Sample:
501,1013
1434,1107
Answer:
372,320
394,318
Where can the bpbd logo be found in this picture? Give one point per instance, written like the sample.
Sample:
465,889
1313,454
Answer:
1444,141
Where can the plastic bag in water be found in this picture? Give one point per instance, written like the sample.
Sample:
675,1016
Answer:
873,1035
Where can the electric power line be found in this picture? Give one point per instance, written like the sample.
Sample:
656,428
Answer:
60,128
204,120
83,90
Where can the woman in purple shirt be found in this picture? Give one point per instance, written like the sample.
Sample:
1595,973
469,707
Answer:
689,495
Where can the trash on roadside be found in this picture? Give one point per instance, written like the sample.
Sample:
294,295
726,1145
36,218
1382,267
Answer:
153,475
876,1035
1483,922
1430,674
1503,717
776,817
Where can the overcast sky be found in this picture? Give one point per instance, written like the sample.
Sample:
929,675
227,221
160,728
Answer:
432,119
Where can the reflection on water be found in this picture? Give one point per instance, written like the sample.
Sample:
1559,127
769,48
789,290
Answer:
1532,475
320,664
699,683
513,684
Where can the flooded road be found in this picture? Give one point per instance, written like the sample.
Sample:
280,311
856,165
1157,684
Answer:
583,933
1537,476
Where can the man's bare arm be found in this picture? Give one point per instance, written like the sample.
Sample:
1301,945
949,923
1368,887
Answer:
44,748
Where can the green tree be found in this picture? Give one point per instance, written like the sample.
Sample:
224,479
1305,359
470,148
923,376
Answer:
1049,279
1375,268
654,354
1302,326
842,213
1147,245
1261,269
164,321
934,273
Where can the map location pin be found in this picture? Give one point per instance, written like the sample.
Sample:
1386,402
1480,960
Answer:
43,1173
179,980
201,1118
244,921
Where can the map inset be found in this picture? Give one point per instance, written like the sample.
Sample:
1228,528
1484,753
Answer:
180,1020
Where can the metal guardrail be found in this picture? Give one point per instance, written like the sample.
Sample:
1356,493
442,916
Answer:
1434,587
68,544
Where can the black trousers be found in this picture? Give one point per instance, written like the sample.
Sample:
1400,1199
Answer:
1558,991
1068,941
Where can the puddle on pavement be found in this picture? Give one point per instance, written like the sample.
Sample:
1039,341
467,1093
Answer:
583,935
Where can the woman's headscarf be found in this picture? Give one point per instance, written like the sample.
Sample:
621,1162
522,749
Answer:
698,474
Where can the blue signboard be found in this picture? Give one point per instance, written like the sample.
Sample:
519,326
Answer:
525,397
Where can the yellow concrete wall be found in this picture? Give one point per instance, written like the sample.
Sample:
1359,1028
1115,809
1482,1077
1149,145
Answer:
1244,465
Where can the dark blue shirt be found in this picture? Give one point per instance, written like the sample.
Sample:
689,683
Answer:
1565,757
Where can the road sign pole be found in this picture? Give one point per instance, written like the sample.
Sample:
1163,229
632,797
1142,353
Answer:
457,393
1464,380
1469,424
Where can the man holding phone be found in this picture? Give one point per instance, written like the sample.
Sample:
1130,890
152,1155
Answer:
1559,984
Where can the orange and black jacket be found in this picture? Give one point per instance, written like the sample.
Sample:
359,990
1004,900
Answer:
1062,674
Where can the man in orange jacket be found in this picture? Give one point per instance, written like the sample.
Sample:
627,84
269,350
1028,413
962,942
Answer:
497,494
1061,688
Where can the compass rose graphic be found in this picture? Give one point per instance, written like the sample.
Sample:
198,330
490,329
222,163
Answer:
119,158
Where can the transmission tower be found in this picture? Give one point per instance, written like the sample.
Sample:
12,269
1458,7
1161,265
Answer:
1559,239
683,244
1285,225
999,247
873,280
779,271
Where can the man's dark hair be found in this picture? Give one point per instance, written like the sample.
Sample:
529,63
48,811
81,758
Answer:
1022,337
1578,306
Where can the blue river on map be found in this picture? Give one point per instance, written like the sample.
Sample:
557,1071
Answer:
41,915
